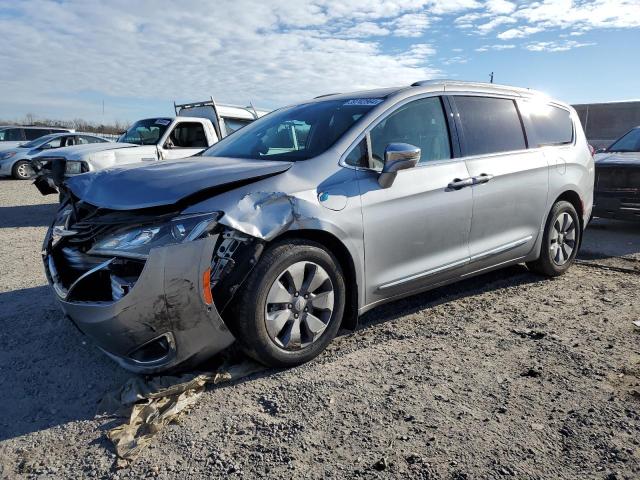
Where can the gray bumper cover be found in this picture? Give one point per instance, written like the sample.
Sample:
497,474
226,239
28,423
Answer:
166,300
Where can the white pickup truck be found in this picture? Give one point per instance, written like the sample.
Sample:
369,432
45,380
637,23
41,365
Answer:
195,127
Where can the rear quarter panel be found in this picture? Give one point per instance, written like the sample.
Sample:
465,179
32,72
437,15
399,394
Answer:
571,168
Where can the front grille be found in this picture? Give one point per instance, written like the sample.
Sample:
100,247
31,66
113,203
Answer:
618,179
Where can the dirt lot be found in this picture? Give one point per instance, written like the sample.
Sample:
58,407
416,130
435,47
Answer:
508,374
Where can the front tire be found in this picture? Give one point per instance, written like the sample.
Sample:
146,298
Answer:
291,306
22,170
560,241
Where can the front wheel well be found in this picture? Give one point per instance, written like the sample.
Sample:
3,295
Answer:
337,248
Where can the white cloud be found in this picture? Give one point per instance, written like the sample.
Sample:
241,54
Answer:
539,16
410,25
586,14
455,60
134,52
497,46
556,46
272,53
519,32
493,23
500,6
364,29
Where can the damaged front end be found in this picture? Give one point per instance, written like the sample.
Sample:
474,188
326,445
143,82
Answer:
142,284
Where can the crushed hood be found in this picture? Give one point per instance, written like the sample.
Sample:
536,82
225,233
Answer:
139,186
78,152
618,158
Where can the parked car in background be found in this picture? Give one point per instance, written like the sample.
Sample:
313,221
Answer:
13,135
617,187
195,127
16,162
304,219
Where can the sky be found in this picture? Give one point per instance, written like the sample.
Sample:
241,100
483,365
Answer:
62,59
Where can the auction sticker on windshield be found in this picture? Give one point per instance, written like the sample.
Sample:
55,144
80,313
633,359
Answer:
364,101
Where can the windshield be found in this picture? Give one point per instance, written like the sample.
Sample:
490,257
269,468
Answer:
294,133
628,143
146,132
39,141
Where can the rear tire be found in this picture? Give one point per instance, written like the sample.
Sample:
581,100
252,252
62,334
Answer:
291,306
560,241
22,170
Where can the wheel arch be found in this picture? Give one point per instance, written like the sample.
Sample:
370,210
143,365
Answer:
341,252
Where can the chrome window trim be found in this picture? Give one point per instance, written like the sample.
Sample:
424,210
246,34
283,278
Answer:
514,96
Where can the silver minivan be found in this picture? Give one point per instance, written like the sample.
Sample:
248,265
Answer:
298,223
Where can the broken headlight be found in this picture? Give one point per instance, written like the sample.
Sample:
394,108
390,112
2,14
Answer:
137,242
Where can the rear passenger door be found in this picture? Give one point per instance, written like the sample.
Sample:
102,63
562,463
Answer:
510,182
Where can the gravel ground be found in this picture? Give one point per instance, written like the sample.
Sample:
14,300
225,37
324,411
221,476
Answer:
507,374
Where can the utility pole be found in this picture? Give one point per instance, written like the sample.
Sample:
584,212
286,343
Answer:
491,77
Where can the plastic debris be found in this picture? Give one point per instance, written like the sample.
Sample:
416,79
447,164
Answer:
151,403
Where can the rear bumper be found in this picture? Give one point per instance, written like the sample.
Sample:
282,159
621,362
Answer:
163,321
618,206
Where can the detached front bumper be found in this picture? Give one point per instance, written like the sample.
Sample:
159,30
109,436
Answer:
163,321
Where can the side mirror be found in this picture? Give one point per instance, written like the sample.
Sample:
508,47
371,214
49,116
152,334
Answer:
397,156
168,144
46,146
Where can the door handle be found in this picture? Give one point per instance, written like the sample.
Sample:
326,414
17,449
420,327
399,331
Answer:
457,183
483,178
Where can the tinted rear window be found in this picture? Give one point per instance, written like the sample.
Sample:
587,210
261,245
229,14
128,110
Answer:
33,133
551,125
490,125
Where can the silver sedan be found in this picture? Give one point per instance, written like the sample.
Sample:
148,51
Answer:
16,161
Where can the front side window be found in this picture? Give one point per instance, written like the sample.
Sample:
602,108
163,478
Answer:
55,143
551,125
146,132
188,135
421,123
359,156
490,125
89,139
628,143
295,133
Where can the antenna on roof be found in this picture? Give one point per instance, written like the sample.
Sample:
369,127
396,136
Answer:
491,78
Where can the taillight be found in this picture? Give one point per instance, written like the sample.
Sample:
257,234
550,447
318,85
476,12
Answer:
592,150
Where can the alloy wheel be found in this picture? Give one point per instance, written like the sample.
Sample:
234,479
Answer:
562,240
24,170
299,305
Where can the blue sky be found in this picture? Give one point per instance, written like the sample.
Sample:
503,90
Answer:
61,59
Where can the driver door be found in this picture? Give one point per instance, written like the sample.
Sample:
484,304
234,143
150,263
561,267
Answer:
416,231
186,139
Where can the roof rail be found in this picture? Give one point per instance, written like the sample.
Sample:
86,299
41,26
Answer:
421,83
327,95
